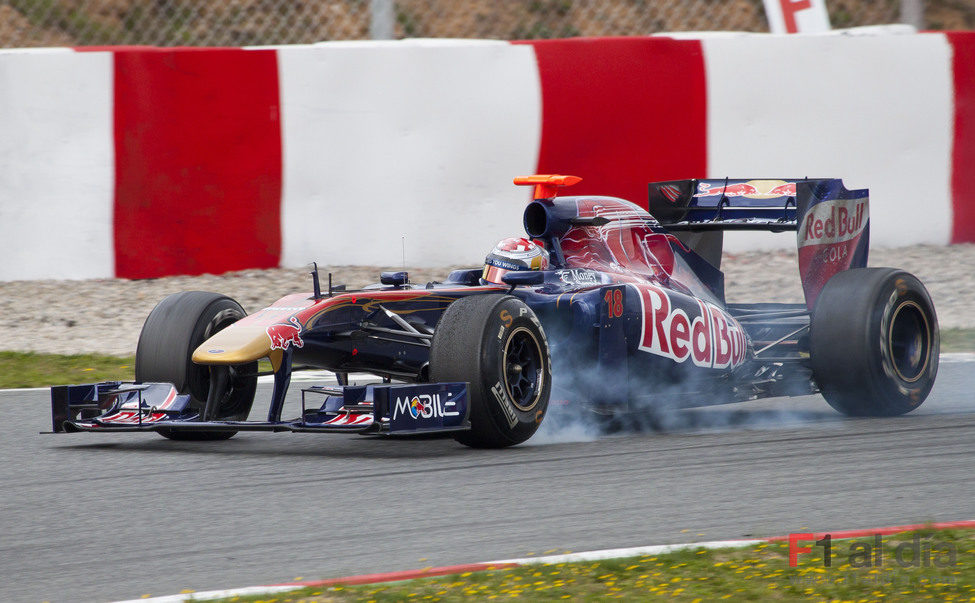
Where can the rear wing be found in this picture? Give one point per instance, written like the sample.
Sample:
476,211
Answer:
832,223
728,204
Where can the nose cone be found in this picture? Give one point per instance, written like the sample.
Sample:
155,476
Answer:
237,344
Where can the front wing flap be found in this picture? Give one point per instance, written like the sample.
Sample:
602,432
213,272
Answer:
401,409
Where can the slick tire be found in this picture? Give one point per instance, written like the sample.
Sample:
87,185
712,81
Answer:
496,344
173,330
874,342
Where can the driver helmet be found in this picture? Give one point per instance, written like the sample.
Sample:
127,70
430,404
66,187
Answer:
514,254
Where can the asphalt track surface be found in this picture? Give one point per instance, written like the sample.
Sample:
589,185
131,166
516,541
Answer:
100,517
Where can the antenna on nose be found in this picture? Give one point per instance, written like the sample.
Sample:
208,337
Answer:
316,283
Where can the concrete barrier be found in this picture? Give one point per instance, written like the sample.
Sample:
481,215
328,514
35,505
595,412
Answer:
146,162
56,153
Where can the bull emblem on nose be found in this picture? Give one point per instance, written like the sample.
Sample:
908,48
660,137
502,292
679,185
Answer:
284,334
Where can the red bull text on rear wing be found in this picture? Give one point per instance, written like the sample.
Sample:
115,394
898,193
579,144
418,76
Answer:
832,223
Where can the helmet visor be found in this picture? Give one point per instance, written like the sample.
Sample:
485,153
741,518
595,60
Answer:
493,274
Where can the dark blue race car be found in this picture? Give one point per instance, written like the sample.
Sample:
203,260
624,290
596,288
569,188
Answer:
602,305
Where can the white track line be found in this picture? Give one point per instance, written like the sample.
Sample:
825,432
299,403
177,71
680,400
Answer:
957,357
637,551
209,595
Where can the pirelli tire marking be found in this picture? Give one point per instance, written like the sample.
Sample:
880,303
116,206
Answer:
502,390
504,402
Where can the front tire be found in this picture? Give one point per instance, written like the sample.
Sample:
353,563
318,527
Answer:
173,330
874,342
497,345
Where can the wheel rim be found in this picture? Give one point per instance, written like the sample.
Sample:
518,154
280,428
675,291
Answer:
221,321
524,378
909,340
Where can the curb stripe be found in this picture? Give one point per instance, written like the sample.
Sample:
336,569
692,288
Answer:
656,549
840,534
217,594
447,570
427,572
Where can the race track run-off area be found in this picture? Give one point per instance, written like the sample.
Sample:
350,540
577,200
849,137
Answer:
119,516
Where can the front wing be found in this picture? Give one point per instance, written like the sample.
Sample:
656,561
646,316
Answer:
364,409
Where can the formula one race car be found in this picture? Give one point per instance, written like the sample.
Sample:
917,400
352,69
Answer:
603,304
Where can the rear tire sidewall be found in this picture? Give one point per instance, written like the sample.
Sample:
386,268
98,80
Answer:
860,324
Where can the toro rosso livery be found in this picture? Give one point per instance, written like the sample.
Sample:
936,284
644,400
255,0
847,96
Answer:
603,305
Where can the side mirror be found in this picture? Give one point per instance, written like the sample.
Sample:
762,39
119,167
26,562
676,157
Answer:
394,278
524,277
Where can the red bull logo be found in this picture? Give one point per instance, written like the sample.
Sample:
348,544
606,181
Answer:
753,189
828,238
284,334
706,335
833,222
784,190
732,190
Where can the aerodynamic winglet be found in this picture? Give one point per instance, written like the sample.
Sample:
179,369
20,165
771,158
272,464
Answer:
546,185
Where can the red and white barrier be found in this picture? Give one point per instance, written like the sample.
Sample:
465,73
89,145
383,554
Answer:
146,162
418,140
876,111
56,179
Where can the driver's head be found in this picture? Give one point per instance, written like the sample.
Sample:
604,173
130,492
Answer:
513,254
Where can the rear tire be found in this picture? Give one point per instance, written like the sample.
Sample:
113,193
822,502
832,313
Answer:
496,344
173,330
874,342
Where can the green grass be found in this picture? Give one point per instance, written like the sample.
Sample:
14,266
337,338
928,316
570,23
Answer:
757,573
26,369
19,369
958,340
